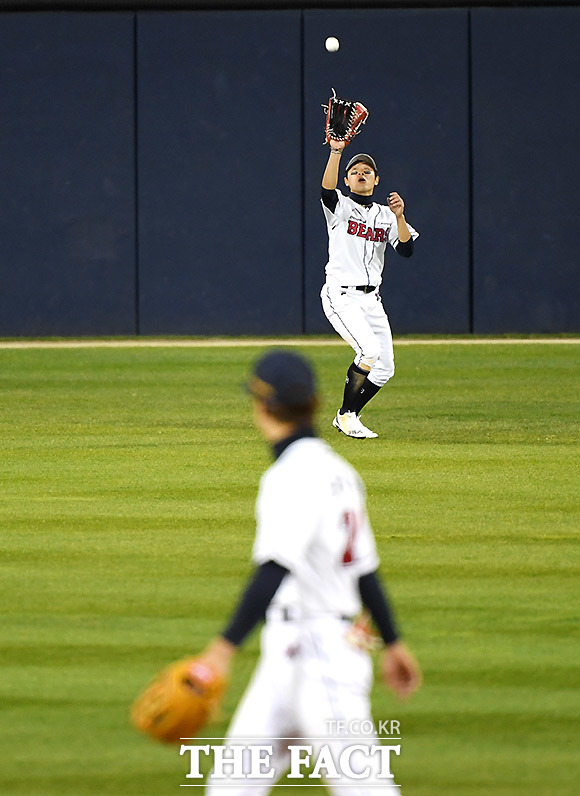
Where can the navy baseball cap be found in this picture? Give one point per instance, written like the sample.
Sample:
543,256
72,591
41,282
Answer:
362,158
283,378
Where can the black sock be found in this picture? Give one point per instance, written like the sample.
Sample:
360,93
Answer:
364,395
355,378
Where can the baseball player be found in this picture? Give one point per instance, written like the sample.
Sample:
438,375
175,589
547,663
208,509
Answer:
359,230
316,566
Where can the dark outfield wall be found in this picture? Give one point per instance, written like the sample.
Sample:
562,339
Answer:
67,187
220,192
161,170
526,169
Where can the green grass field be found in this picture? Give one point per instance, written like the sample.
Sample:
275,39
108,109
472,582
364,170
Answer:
128,479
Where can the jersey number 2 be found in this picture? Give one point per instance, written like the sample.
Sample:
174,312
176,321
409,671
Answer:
349,525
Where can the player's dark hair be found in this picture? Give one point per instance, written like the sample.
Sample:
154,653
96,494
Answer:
300,415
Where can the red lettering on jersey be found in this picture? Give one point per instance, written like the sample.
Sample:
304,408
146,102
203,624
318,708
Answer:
362,231
349,524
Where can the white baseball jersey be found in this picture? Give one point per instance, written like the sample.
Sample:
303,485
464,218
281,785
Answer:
357,241
311,519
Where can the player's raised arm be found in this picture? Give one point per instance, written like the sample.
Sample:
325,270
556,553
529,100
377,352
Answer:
330,176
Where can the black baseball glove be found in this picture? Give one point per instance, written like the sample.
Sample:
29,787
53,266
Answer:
344,118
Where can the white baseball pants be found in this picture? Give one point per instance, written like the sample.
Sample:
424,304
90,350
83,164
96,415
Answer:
360,319
308,677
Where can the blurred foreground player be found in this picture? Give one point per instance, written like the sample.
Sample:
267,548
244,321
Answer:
316,567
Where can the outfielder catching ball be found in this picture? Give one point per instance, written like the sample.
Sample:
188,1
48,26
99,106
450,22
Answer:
316,566
359,230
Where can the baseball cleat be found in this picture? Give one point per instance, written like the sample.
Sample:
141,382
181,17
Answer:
367,432
349,423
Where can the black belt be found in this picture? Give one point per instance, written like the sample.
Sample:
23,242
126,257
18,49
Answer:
288,617
364,288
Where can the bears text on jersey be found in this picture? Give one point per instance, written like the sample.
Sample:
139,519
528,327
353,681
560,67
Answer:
376,234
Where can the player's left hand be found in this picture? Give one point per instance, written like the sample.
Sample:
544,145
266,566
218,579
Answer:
396,204
337,145
400,670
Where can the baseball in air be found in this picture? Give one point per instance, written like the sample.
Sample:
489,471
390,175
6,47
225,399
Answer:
332,44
